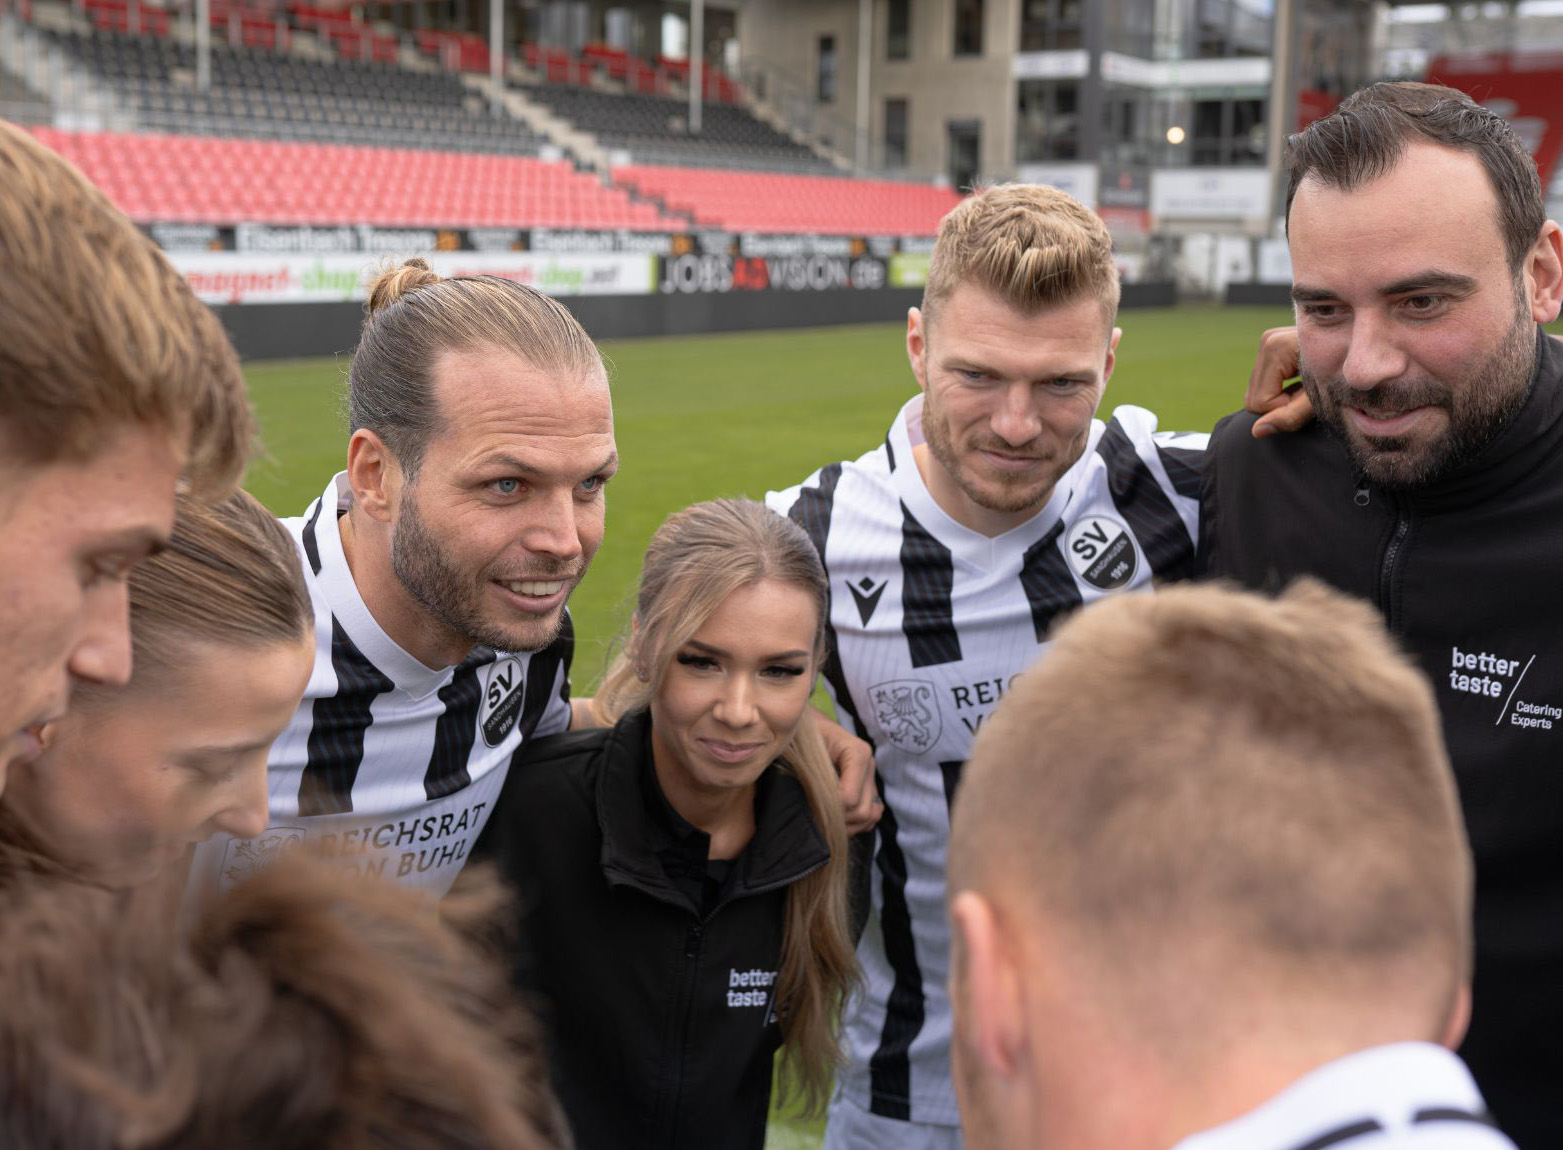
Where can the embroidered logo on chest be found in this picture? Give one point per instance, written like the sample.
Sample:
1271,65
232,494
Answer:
1102,552
501,701
907,714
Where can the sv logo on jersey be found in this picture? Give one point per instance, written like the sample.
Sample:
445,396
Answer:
501,701
906,713
1102,552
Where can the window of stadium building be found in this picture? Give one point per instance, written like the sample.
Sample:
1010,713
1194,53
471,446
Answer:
1049,25
895,133
968,27
898,30
1228,132
827,70
1047,123
1234,28
965,140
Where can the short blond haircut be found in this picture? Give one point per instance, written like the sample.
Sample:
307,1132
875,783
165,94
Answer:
1030,245
97,330
1211,780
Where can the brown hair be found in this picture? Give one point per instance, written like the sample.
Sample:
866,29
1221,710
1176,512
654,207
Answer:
1031,245
696,559
308,1008
230,576
415,314
1208,776
98,330
1366,136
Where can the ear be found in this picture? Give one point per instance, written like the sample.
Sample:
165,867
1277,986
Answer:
1112,355
1544,274
374,475
986,989
917,346
1459,1018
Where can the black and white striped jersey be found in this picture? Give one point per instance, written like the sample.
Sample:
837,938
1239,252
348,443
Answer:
931,621
392,765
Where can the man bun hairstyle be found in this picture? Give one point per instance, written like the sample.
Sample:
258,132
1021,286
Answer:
414,314
1366,136
98,330
1031,245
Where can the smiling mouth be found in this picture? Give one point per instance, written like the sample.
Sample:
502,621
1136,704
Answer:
533,588
730,752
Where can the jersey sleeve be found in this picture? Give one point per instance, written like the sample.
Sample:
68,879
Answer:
1174,459
781,501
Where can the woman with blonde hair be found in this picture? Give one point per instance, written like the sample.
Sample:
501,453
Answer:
682,873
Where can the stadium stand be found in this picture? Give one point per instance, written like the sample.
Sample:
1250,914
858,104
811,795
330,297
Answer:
780,202
654,130
191,179
260,94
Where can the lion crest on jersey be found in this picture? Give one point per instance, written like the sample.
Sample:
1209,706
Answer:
906,713
250,856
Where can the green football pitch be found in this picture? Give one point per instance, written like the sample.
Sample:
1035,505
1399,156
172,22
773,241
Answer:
709,416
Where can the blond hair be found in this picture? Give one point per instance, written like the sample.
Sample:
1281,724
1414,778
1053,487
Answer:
415,314
308,1007
1030,245
696,559
1208,780
98,330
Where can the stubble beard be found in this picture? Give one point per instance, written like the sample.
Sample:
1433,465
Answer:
1478,405
1005,497
423,567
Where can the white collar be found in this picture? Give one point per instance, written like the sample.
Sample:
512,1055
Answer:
349,609
1387,1085
963,542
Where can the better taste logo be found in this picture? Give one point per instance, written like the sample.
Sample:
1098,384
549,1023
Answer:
1491,676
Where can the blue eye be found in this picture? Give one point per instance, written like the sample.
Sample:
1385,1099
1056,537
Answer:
506,486
593,485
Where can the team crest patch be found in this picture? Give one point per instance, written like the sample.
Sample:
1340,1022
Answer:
1102,552
907,714
501,701
245,857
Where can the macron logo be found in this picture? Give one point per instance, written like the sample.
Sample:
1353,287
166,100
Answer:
867,594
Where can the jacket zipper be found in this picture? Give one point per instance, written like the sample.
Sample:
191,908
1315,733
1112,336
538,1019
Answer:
1392,552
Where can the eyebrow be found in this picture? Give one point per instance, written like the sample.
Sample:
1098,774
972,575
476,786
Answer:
514,463
1421,281
710,650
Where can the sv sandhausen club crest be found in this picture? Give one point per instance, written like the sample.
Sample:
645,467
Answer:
245,857
501,700
1102,552
907,713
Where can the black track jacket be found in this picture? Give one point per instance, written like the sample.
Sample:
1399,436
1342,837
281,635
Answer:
658,1009
1469,574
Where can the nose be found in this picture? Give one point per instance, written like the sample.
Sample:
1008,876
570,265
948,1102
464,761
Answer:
245,812
102,651
1017,421
1373,356
552,527
735,705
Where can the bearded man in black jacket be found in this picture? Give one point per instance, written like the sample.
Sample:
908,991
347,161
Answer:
1432,485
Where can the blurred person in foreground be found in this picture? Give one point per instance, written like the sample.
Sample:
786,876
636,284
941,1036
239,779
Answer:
1432,486
309,1009
132,776
1210,889
440,562
682,873
115,384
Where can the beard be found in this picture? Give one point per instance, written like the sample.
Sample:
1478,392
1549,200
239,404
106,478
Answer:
1478,405
1007,494
425,568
